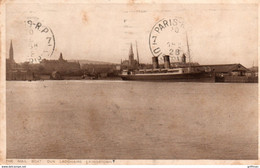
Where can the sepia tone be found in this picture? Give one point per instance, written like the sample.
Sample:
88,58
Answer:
150,81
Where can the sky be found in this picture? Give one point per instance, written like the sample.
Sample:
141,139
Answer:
217,34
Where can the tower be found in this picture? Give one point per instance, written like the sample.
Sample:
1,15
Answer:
11,52
61,57
131,56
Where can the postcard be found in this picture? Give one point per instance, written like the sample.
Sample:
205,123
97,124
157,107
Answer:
129,82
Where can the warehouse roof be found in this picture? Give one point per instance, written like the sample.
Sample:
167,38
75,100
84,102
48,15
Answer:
226,67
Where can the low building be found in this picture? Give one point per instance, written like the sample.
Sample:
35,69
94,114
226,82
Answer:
231,73
61,65
254,70
19,74
228,69
101,70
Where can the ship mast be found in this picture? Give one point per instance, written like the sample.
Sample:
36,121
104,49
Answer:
137,54
188,47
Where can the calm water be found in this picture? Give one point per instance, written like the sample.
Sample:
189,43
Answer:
131,120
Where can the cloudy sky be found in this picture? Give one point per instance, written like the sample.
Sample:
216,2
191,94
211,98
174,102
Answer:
218,34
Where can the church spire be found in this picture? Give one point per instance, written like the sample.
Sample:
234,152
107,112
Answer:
131,56
11,52
131,50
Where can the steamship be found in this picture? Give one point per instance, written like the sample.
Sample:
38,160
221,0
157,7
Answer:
185,72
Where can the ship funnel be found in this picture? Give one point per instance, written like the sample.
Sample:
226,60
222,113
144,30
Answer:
166,59
155,63
183,58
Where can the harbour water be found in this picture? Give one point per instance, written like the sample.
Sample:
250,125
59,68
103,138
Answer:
131,120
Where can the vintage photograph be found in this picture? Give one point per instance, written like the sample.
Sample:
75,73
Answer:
131,80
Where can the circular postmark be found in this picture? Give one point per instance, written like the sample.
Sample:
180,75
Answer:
167,37
41,40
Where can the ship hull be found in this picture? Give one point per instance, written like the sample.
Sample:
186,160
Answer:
190,77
